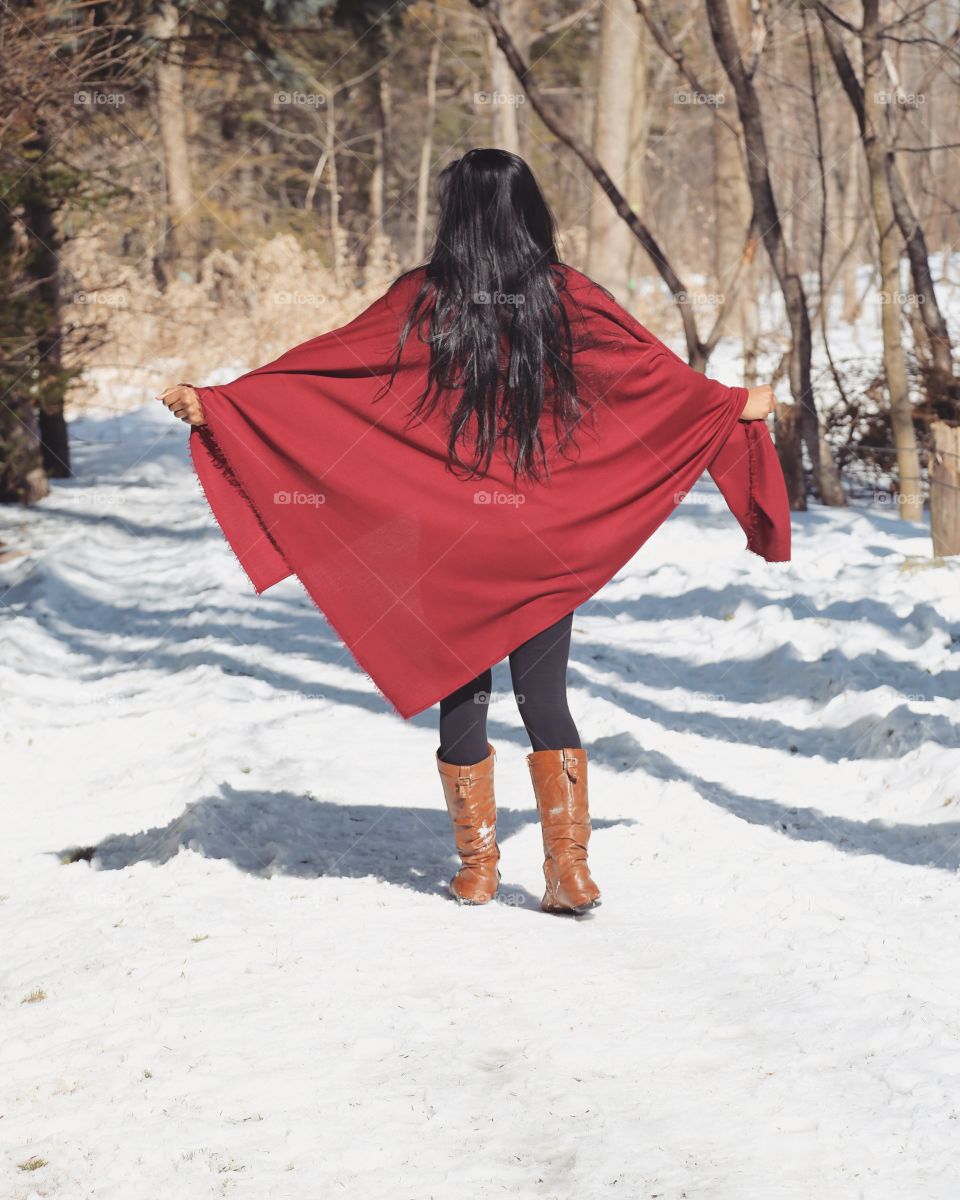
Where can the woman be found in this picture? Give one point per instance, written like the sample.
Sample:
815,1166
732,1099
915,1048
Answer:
454,471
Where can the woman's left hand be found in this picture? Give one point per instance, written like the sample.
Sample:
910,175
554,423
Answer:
761,402
184,403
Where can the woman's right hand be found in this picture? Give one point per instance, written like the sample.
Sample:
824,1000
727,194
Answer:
760,403
184,403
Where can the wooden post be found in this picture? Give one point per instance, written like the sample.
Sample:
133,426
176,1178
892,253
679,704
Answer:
945,488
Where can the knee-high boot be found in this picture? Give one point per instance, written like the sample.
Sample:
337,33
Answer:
470,802
560,784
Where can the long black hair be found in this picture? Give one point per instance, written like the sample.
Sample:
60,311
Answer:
490,309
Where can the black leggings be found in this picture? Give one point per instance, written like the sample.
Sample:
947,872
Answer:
538,671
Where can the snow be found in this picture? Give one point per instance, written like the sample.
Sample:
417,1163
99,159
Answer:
248,980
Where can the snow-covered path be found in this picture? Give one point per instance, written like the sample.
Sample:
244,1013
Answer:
258,988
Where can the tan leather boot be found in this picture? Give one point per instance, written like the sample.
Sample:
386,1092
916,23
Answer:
560,784
473,811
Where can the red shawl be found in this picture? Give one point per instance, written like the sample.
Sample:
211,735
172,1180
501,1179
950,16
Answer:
430,579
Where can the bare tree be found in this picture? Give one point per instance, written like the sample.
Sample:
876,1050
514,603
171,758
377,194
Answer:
849,187
378,176
740,70
910,504
42,268
426,146
182,240
636,178
910,227
733,208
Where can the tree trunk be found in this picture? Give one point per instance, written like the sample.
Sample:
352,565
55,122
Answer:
426,146
910,498
850,233
182,250
520,25
504,130
608,256
43,269
733,208
377,236
375,204
504,106
22,477
916,245
945,488
336,237
636,165
790,452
